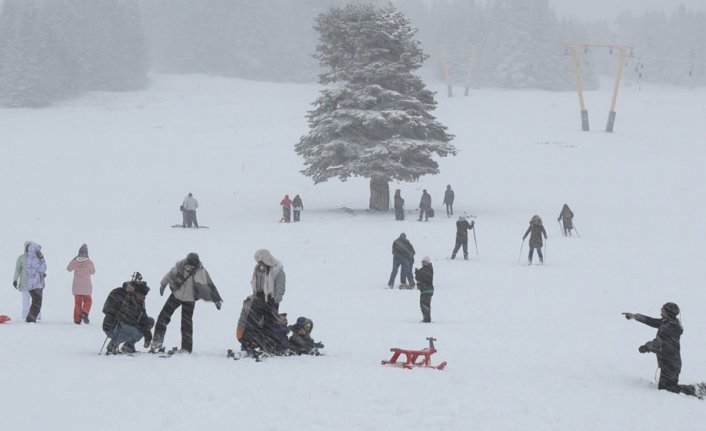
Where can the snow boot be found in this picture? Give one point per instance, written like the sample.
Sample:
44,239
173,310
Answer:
84,318
128,348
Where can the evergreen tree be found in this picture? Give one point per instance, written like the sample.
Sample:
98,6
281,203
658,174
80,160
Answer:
375,121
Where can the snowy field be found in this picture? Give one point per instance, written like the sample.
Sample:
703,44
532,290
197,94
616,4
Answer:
528,348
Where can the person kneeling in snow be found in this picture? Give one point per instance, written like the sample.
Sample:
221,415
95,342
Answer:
126,320
300,342
666,346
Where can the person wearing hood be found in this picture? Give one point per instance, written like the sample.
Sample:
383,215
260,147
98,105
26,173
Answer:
286,204
19,281
424,205
82,288
666,345
566,216
268,279
188,281
402,255
536,231
297,207
398,205
126,320
190,205
462,228
36,269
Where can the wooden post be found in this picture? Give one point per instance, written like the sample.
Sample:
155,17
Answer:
579,88
616,87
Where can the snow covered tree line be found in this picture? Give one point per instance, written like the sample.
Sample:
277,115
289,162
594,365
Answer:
373,120
53,49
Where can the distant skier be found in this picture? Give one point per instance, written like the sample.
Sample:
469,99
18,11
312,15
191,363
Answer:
462,228
190,204
297,207
424,205
425,284
126,320
399,205
36,268
566,216
667,347
189,281
286,204
536,231
449,201
402,255
82,288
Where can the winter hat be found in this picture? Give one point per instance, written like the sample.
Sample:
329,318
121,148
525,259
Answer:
141,287
263,255
426,259
83,251
671,309
305,323
193,259
403,236
461,218
536,219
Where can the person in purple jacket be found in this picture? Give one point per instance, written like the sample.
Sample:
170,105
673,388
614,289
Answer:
36,268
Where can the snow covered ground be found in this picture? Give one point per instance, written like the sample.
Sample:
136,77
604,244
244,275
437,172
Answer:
528,348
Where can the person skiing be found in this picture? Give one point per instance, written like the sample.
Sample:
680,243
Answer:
424,205
566,216
449,201
402,255
667,347
425,284
19,281
82,288
297,207
190,204
36,269
399,205
462,228
536,231
189,281
286,204
126,320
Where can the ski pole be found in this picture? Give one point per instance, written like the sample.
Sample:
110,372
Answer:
520,255
546,246
136,276
577,231
561,229
474,239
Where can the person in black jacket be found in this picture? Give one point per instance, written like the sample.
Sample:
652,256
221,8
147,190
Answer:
424,205
666,346
566,216
402,255
462,228
449,201
399,205
126,320
425,284
297,207
536,231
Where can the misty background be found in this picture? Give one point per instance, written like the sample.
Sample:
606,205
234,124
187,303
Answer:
51,50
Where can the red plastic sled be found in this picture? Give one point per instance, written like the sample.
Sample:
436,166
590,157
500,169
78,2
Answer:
4,318
412,356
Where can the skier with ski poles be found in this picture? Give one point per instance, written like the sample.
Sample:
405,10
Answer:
566,216
462,228
126,320
535,231
667,347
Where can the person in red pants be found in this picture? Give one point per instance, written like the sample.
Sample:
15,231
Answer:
82,288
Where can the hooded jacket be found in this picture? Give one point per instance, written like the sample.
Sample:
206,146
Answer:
666,344
21,270
191,286
535,230
36,267
272,282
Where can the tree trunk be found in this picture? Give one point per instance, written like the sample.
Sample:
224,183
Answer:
379,194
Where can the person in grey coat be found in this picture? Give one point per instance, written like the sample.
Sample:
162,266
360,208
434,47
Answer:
449,201
424,205
189,281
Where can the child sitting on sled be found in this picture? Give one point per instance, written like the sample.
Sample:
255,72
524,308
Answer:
300,342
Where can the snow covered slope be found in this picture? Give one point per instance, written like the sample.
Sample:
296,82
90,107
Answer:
528,348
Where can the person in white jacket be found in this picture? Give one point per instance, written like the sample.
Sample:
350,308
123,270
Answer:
190,205
19,281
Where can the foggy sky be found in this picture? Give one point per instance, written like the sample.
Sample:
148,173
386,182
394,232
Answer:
608,10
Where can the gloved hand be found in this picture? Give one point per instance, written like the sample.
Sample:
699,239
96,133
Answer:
629,316
161,290
643,349
14,284
319,345
218,305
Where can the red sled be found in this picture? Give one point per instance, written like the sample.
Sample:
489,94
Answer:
4,318
412,356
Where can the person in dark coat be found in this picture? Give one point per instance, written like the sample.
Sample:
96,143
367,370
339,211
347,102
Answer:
449,201
536,231
399,205
297,207
402,255
666,346
300,342
126,320
188,281
462,228
567,219
424,205
425,284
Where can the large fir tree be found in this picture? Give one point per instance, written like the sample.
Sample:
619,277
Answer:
374,120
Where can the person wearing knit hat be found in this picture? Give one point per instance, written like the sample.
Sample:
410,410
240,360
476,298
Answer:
188,281
425,284
82,288
667,347
462,228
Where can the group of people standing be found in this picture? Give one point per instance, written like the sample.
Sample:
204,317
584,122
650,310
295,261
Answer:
291,206
425,209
